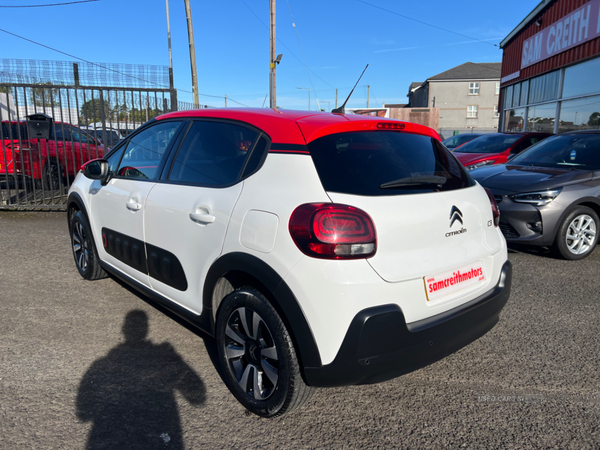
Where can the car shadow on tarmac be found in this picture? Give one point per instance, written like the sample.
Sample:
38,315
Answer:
544,252
129,394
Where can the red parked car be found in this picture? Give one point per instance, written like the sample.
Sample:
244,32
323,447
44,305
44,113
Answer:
46,161
495,148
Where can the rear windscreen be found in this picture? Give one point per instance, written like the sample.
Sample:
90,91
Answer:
386,163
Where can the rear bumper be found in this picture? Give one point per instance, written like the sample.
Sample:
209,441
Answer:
380,345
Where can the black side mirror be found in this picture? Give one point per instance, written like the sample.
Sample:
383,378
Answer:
97,169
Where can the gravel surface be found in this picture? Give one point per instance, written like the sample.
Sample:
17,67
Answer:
68,379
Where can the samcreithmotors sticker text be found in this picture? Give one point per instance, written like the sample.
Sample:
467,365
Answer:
456,278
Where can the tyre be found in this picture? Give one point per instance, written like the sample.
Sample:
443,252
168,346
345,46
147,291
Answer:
257,356
84,249
577,234
52,175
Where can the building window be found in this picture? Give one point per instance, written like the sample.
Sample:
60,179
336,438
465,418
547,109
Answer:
544,88
516,94
580,114
507,96
524,93
473,88
472,111
514,120
541,118
496,113
581,79
497,88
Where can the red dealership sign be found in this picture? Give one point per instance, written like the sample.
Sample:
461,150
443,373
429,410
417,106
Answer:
577,27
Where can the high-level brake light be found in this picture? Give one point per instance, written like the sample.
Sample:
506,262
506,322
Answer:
390,126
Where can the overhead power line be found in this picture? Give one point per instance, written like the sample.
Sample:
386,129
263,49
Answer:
427,24
283,43
49,4
112,70
303,57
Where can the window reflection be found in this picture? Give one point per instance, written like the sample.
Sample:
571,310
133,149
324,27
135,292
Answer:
541,118
515,120
582,79
580,114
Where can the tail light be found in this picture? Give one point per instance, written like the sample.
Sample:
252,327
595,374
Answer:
495,210
332,231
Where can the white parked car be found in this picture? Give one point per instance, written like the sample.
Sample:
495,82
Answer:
318,249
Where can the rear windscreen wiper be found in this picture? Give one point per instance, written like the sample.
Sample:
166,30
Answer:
414,181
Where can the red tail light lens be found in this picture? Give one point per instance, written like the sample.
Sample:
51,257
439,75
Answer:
495,210
332,231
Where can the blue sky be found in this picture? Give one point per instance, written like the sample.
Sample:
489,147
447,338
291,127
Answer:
338,38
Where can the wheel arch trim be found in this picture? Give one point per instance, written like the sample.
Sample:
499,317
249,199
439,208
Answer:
583,201
75,198
279,294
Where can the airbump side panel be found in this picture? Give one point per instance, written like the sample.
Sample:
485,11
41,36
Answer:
125,248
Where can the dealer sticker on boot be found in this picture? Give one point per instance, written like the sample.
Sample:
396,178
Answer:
451,281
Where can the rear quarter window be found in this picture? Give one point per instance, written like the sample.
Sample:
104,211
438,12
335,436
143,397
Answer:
359,163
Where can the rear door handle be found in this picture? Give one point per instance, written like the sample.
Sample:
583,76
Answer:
133,206
202,217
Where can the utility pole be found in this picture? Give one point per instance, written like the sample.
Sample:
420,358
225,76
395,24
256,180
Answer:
190,27
336,92
308,95
273,78
368,94
171,82
225,100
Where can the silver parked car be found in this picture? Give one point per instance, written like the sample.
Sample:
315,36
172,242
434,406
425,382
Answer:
549,195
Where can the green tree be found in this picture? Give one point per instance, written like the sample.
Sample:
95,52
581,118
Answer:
594,119
45,96
91,111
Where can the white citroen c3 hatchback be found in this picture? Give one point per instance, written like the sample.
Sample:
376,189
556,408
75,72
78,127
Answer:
318,249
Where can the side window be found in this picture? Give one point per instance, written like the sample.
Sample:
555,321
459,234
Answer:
114,158
453,141
79,135
145,150
212,153
521,146
62,132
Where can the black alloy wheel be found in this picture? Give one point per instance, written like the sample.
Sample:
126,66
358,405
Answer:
257,355
52,175
84,250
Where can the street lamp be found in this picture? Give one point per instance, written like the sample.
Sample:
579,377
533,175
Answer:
308,95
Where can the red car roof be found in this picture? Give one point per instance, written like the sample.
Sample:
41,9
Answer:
299,127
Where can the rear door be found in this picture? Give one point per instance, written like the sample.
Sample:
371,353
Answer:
118,207
429,214
188,212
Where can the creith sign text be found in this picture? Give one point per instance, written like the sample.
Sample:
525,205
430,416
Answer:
577,27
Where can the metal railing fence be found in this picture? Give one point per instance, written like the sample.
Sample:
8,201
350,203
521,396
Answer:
87,122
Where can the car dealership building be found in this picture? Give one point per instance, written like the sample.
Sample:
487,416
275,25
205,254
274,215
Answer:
550,69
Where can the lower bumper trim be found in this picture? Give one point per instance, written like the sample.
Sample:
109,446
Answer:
379,345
